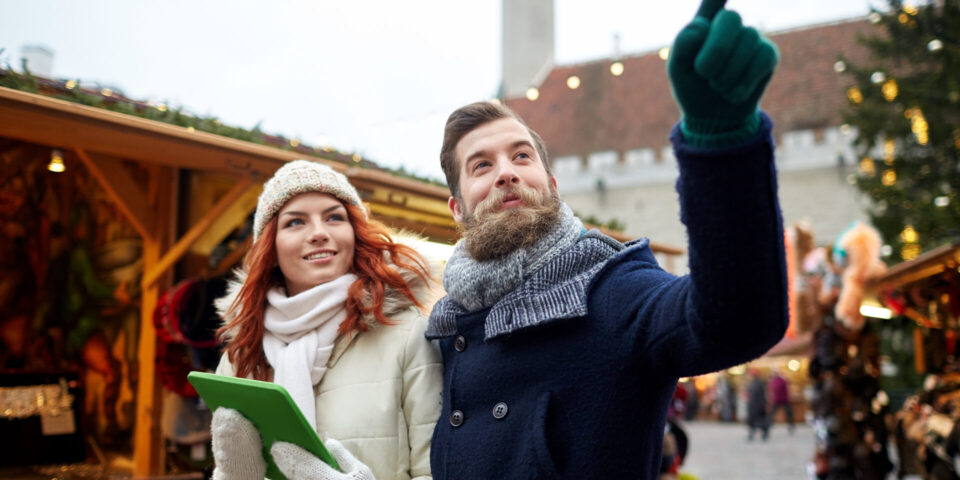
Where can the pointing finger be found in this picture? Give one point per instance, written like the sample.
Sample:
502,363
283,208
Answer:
709,8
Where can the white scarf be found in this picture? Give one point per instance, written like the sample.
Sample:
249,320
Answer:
299,335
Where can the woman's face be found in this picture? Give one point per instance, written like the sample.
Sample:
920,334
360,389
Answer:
315,241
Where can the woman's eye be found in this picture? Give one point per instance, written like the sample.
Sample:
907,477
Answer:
293,222
337,217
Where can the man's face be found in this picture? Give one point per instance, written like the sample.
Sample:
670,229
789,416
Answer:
495,157
508,199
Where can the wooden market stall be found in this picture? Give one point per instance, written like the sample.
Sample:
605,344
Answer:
107,143
147,168
920,301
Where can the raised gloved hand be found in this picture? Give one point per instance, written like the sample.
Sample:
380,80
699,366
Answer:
237,447
718,70
299,464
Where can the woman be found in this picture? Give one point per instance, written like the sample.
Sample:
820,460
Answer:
330,307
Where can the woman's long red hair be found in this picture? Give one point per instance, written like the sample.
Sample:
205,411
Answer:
373,247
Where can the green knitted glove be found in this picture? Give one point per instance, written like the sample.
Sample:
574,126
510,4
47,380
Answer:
718,70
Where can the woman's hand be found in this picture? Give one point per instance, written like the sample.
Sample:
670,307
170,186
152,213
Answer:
299,464
236,447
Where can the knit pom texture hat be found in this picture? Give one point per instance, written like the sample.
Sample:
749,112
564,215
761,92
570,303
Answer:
294,178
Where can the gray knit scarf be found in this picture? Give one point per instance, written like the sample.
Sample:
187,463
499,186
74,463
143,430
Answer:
477,285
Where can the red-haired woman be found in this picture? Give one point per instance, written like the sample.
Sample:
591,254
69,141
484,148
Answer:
330,307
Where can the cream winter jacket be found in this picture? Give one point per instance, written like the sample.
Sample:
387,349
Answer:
381,393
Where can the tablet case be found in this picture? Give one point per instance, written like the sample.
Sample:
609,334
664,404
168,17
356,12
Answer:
269,407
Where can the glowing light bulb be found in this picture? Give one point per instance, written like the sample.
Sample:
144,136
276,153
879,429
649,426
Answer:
56,161
616,69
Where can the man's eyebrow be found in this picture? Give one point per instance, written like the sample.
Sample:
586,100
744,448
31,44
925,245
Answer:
521,143
475,155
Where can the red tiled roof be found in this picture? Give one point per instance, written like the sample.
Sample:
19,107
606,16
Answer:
636,109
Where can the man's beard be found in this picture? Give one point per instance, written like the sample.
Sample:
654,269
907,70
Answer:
491,231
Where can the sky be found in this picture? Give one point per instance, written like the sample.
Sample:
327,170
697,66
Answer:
376,78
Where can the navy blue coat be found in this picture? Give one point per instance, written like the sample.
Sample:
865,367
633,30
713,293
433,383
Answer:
570,376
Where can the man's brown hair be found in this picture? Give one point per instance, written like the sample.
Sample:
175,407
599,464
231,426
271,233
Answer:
463,121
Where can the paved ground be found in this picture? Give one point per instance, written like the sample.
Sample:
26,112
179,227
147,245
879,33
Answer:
720,451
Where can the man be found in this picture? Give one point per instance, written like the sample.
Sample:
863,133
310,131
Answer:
757,415
561,346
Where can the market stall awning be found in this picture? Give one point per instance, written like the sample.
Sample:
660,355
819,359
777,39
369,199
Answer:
926,265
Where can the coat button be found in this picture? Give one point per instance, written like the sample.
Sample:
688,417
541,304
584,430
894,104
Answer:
460,344
456,418
500,410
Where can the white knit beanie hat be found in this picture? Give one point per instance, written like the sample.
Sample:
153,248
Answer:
294,178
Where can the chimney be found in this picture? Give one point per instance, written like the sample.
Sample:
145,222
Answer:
527,44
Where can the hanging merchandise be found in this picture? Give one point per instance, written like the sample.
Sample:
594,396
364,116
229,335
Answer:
186,323
859,249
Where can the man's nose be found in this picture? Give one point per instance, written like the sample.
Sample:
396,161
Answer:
507,174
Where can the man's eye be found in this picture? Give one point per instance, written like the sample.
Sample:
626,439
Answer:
523,155
479,165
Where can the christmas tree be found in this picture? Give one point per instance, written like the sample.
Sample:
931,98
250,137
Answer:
906,109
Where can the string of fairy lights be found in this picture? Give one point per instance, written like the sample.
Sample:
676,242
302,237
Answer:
573,81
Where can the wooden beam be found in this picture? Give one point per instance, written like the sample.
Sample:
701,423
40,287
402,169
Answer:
58,123
148,451
233,217
436,233
407,185
170,258
124,191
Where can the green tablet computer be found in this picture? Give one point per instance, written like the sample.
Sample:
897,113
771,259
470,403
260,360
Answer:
269,407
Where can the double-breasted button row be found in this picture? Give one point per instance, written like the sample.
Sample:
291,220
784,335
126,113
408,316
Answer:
460,343
499,411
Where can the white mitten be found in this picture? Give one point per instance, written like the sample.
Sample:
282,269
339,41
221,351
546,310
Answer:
299,464
237,448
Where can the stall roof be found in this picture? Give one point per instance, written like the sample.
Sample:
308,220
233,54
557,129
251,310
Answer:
928,264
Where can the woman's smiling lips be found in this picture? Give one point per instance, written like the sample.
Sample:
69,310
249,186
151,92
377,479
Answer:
320,256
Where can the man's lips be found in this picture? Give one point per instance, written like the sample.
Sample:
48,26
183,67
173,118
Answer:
511,201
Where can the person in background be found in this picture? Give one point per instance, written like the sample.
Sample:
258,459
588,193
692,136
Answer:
331,307
757,415
780,399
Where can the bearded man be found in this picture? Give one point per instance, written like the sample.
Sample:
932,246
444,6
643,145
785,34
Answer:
561,346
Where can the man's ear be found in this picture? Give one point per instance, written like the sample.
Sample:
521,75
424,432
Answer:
553,180
455,209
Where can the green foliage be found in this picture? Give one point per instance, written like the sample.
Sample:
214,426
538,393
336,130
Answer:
913,107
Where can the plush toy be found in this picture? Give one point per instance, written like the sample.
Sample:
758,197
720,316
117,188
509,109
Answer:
858,252
800,243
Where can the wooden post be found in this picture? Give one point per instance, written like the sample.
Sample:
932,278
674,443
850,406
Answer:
148,451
